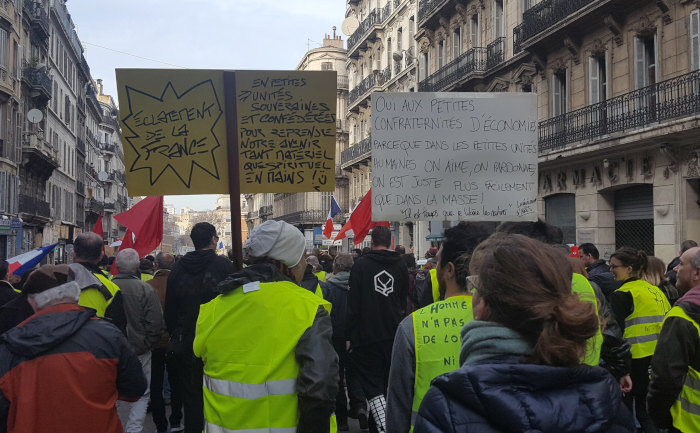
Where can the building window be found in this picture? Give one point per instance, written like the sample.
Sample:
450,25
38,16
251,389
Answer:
3,48
474,31
388,52
645,61
399,40
423,67
457,43
354,134
560,211
441,54
695,40
498,27
526,4
411,30
559,93
362,129
327,66
597,79
362,183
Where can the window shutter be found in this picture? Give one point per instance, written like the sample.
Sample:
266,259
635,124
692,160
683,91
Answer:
422,68
16,201
3,191
695,39
3,48
498,20
474,32
455,44
593,80
640,69
556,95
19,62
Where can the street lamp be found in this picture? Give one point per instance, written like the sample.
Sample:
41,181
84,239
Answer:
398,55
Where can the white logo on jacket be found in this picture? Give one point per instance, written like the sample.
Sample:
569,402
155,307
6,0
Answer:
384,283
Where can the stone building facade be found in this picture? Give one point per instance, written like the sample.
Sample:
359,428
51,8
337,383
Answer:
618,104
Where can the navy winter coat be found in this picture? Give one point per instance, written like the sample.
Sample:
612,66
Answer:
505,396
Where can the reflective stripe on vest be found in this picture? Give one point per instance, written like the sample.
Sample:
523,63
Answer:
99,298
686,410
437,339
643,326
580,285
247,342
435,285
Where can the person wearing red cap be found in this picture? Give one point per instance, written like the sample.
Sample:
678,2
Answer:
63,369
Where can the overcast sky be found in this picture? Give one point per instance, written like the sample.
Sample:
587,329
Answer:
201,34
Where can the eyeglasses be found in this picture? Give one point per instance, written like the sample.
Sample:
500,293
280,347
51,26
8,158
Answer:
612,267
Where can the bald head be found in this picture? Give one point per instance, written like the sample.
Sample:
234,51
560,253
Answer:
88,248
688,271
165,261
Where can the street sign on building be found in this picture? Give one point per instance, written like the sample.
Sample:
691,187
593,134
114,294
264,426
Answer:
332,241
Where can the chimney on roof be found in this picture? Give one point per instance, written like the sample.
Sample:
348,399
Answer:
334,41
100,87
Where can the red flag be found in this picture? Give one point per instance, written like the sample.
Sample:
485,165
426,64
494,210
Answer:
360,221
145,220
127,242
98,229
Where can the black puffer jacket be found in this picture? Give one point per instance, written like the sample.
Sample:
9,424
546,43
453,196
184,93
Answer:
505,396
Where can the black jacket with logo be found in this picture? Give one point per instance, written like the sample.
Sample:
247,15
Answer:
377,297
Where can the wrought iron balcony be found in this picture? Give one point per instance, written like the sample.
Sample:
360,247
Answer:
397,3
114,123
473,60
408,58
375,17
81,145
308,217
38,18
542,16
365,86
426,7
33,206
39,82
495,52
397,67
266,211
356,153
666,100
94,206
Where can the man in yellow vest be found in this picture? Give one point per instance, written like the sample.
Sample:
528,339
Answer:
427,342
673,401
97,290
269,363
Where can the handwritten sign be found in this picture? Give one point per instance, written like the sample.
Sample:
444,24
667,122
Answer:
174,131
286,126
454,156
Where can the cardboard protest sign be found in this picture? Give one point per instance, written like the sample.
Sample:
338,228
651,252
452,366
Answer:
286,127
454,156
174,131
176,125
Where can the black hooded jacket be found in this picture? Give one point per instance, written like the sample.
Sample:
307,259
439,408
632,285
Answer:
377,297
192,282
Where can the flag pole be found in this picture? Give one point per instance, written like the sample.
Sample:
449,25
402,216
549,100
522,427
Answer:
234,185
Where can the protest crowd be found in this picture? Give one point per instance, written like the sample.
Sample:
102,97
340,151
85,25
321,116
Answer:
510,331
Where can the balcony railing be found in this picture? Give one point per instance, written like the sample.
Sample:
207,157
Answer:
38,80
542,16
265,211
408,58
375,17
356,152
94,206
308,217
343,81
427,6
34,206
368,83
397,67
495,52
38,16
111,122
649,105
81,145
473,60
397,3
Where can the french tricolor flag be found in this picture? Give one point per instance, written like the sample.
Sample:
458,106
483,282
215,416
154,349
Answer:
335,209
28,260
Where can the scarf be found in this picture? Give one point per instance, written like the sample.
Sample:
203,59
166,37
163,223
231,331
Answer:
483,340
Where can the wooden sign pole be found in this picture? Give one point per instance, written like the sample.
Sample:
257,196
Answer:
234,184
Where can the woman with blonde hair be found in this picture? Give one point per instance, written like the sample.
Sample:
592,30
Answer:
521,358
655,275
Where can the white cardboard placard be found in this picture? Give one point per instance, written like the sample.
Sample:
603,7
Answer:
454,156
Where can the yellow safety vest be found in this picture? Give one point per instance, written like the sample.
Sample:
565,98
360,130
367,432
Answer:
686,409
436,329
580,285
146,277
434,284
247,339
99,299
643,326
320,275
